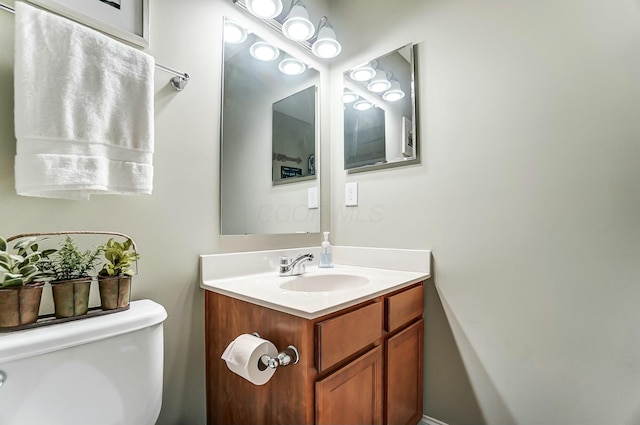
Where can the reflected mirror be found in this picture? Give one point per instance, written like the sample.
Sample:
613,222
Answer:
379,112
293,137
269,138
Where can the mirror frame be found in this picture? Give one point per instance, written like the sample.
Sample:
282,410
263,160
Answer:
413,47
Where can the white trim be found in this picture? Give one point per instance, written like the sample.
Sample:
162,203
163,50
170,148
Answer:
427,420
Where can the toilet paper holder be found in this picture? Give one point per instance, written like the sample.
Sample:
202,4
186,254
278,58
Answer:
284,358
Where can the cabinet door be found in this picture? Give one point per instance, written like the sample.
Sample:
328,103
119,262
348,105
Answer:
352,395
404,376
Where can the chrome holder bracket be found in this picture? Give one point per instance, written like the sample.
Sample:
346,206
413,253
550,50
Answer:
289,355
180,82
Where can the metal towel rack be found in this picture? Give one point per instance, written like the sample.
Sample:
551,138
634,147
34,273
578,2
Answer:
178,82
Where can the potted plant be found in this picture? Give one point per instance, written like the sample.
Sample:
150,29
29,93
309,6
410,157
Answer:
72,270
21,282
114,279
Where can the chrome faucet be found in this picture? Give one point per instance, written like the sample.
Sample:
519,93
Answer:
294,267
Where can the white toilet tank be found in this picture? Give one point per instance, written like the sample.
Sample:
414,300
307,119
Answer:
104,370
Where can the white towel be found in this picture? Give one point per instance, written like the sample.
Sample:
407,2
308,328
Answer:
83,110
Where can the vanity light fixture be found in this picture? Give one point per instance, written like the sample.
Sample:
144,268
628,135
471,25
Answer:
264,51
349,96
297,26
291,66
233,32
264,9
379,83
362,105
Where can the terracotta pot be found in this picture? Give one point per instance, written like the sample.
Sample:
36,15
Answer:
20,305
114,291
71,297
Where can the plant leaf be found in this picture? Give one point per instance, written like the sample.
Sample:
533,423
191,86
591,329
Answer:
24,243
12,282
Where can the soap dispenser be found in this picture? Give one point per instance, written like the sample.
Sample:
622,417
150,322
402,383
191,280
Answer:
326,260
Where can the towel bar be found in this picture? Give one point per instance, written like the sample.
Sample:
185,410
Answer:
178,82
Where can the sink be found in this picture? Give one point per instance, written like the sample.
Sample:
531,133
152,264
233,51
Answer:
324,282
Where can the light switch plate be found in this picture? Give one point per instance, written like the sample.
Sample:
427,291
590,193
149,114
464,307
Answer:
351,194
312,198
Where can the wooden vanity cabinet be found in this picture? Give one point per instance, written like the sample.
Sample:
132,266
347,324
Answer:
360,365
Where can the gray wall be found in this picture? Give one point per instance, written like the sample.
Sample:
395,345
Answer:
528,194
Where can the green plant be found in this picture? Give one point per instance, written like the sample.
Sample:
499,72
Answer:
119,258
24,265
69,262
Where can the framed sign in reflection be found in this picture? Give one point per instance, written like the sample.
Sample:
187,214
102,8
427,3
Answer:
288,172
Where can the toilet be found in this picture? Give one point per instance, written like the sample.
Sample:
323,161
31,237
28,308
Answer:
104,370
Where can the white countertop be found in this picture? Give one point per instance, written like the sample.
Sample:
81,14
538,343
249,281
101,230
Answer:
260,283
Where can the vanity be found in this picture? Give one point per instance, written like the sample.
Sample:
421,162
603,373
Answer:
358,331
357,328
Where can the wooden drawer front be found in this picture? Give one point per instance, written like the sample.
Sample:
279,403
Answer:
404,307
344,335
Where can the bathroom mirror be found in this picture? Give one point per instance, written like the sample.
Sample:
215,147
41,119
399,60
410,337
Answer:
269,138
380,128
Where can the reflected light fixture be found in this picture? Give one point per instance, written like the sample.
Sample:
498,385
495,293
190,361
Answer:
349,96
264,51
297,26
291,66
379,82
394,93
326,45
362,105
265,9
363,72
233,32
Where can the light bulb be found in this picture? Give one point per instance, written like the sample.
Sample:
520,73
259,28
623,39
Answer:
297,25
326,48
362,73
264,51
265,9
394,93
326,45
349,97
362,105
291,66
234,33
379,83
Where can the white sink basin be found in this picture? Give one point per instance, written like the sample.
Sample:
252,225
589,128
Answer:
324,282
253,277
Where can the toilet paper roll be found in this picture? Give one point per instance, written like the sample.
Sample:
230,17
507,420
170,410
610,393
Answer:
243,354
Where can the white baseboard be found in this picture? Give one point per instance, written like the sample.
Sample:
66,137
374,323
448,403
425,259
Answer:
427,420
